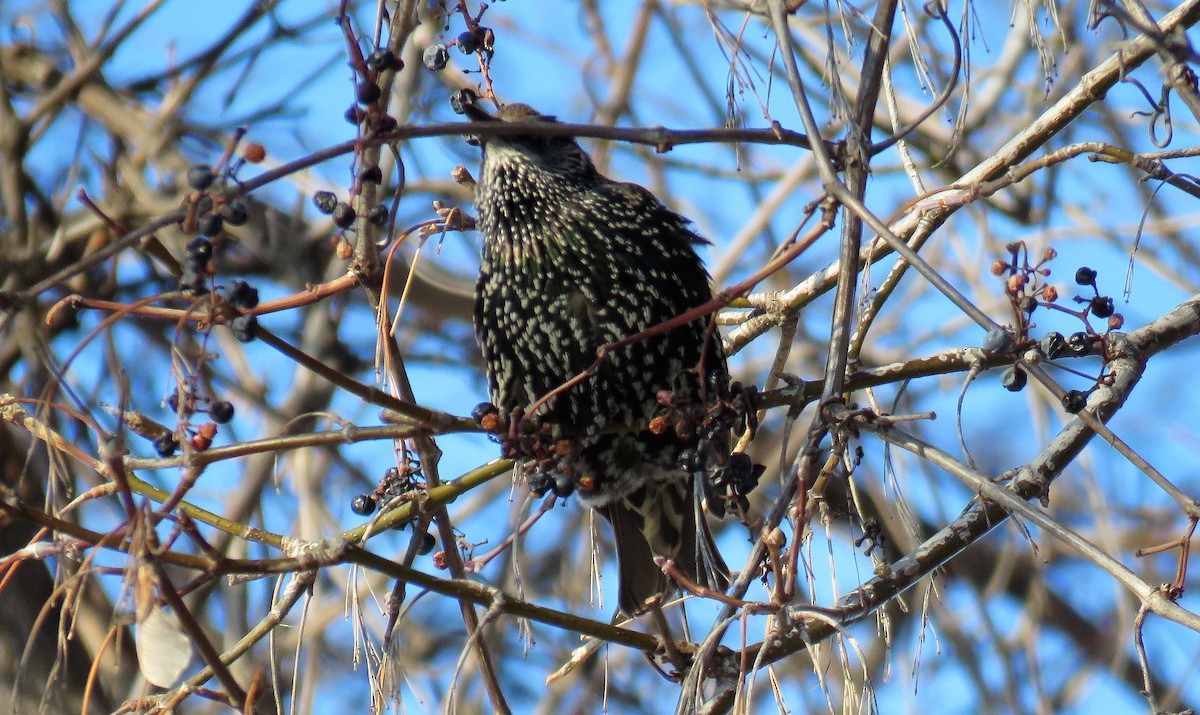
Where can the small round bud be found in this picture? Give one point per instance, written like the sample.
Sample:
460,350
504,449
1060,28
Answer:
1049,254
1116,321
1049,294
254,153
999,268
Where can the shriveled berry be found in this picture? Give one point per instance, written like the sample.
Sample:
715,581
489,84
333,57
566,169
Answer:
1102,306
200,176
363,505
382,60
461,99
244,327
1027,304
343,215
235,213
1079,342
1085,276
1116,321
1074,400
165,444
436,57
469,42
325,201
241,294
368,93
1053,345
221,411
1014,379
370,174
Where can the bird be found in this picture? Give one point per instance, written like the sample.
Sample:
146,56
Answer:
573,261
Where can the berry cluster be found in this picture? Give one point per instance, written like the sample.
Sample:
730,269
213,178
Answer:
731,407
522,439
406,482
1027,292
209,182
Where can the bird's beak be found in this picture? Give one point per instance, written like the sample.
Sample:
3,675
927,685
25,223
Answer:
477,114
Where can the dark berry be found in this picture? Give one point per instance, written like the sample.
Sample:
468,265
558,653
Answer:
382,60
1074,400
460,100
540,483
1079,342
211,224
1053,345
368,93
200,177
1085,276
355,114
192,281
235,213
1102,306
343,215
363,505
173,402
241,294
483,409
378,215
470,41
221,411
371,174
435,57
165,444
427,543
325,201
1014,379
200,250
1027,304
244,327
998,340
563,485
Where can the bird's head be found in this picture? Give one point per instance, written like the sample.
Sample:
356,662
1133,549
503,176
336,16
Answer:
560,155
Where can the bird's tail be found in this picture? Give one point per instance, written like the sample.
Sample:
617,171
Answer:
662,519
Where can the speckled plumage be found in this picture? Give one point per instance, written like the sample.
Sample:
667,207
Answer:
573,261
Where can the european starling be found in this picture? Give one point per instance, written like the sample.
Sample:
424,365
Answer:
573,261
